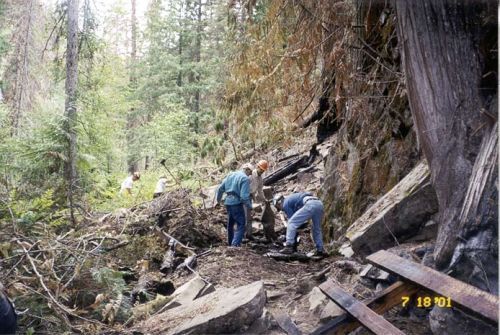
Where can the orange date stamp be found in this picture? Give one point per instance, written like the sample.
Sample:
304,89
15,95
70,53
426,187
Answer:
426,301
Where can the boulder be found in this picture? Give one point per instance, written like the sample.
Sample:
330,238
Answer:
226,310
399,214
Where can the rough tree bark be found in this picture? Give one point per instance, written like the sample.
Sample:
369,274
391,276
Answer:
70,103
131,118
443,67
22,85
475,258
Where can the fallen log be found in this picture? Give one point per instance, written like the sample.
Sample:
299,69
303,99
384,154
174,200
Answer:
284,171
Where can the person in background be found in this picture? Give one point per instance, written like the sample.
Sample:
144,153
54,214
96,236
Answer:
257,192
237,188
299,208
161,187
126,187
8,317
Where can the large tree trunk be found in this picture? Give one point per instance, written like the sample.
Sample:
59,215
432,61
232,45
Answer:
443,68
131,117
70,103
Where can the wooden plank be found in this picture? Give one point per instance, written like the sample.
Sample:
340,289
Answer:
381,303
466,297
368,318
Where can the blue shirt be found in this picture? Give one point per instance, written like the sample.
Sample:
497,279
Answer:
294,202
237,187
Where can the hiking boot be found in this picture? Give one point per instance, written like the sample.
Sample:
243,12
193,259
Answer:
287,250
319,253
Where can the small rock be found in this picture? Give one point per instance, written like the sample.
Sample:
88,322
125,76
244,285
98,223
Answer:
428,259
317,300
367,282
374,273
365,271
380,287
287,324
187,293
273,295
261,325
331,311
348,265
305,286
346,250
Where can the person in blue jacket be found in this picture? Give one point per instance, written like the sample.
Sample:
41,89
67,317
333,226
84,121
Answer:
8,317
299,208
237,188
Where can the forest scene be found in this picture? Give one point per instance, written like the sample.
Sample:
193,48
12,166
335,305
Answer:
249,167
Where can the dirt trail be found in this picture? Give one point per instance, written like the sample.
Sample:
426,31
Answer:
115,264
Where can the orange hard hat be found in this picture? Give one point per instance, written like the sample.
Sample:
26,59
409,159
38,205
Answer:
263,164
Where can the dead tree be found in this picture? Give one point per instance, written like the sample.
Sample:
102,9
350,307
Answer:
444,67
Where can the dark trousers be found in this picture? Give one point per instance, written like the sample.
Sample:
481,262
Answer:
235,215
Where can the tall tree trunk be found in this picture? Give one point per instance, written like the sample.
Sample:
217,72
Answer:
181,41
443,67
24,44
197,59
132,162
70,103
